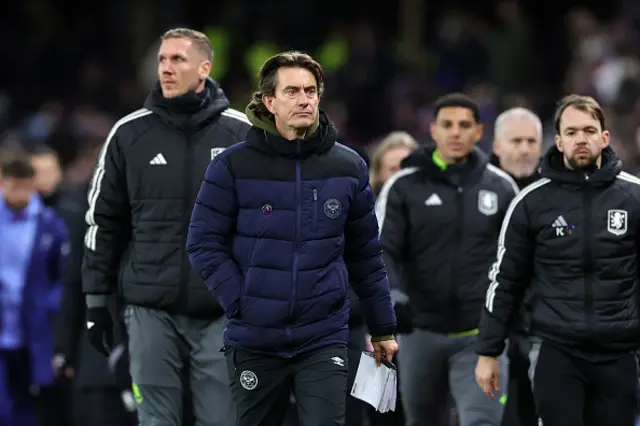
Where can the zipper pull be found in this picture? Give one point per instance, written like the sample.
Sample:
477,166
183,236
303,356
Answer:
315,194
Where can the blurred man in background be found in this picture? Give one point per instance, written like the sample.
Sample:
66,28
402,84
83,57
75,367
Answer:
517,147
96,397
33,249
140,201
387,158
439,218
48,176
387,161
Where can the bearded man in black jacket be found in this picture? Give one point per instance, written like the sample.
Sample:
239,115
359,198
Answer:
571,241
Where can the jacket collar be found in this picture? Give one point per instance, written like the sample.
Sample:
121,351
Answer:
264,136
32,211
553,168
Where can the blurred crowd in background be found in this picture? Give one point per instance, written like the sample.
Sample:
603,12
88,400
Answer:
71,70
65,83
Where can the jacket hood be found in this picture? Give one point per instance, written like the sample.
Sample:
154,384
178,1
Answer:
265,137
553,168
457,174
191,110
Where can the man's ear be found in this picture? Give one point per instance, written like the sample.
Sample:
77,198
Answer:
268,102
204,69
496,147
606,139
479,131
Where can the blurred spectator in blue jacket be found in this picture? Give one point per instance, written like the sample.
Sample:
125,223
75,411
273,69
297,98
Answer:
33,248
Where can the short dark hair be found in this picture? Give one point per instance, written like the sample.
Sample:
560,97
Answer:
17,166
42,149
457,100
582,103
268,77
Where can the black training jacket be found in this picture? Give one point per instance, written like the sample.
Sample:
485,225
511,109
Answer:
571,239
142,195
439,233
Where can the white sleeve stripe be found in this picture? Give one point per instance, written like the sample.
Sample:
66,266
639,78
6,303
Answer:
502,249
232,113
628,177
504,175
98,174
381,203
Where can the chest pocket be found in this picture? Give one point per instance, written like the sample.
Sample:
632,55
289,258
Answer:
327,211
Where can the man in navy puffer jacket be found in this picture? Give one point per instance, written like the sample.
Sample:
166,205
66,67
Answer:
282,224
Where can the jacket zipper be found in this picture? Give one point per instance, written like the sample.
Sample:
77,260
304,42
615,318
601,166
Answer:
586,257
315,208
296,244
458,243
182,302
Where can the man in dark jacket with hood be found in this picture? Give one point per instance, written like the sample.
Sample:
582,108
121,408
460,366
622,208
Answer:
48,169
517,146
140,199
440,216
571,239
97,399
283,223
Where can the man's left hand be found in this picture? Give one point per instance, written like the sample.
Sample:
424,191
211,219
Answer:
386,349
488,375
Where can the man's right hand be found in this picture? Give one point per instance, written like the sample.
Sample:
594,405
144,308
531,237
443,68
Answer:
404,322
100,329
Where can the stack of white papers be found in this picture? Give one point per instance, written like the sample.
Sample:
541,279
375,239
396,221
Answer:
376,385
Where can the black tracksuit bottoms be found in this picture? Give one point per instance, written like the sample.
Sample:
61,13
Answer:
572,390
261,386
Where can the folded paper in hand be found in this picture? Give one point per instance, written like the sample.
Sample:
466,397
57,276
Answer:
376,385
